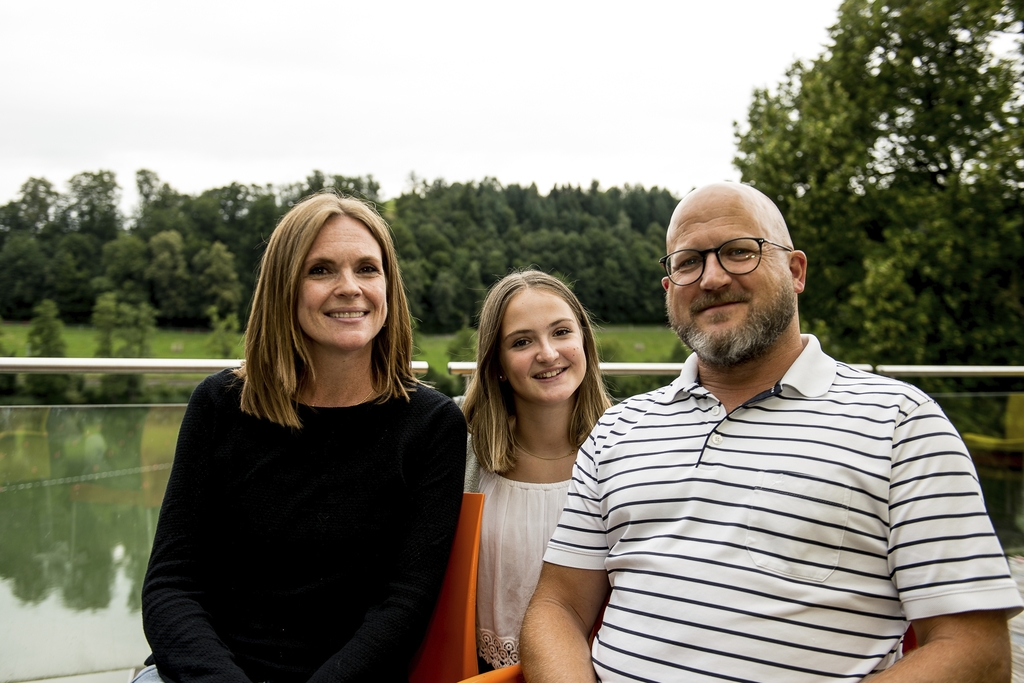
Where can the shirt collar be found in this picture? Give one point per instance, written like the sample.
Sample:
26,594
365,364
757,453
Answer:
811,374
685,383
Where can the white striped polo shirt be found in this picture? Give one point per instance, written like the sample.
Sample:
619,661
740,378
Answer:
790,540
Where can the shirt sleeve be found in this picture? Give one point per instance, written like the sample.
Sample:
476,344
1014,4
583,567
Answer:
580,539
944,556
393,629
185,645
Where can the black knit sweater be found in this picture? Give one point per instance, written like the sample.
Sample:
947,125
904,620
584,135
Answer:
312,555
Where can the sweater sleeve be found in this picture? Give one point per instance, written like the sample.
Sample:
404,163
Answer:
393,629
186,648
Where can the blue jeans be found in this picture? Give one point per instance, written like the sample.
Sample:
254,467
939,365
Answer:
148,675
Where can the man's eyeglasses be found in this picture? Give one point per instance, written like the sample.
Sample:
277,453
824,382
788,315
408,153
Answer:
737,257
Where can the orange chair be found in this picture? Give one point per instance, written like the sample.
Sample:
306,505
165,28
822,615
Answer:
448,653
909,640
510,674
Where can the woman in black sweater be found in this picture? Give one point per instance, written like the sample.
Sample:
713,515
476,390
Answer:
314,494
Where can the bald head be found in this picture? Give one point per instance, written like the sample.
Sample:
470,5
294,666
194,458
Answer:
730,319
714,204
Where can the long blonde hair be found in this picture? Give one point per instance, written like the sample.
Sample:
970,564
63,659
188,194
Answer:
277,357
489,402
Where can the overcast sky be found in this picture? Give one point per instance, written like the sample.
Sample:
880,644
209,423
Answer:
207,93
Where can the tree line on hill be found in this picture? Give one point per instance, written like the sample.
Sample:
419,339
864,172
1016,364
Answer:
190,257
897,157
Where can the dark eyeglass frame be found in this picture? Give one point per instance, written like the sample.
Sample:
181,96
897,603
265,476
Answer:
717,251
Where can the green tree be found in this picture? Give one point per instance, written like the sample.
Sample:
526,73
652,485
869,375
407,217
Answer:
135,326
7,382
216,282
896,158
444,296
160,208
91,205
241,218
123,330
224,333
104,322
363,187
33,212
70,276
46,340
167,274
24,271
124,265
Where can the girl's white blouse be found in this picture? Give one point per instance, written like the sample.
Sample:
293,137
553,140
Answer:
519,519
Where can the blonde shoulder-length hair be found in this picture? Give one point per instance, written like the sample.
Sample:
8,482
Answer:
489,405
278,364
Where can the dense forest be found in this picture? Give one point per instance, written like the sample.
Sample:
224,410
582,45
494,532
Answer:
896,157
193,258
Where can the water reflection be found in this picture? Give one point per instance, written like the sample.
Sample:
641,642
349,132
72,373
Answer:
992,425
80,490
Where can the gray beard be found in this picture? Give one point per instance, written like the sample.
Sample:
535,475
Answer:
742,345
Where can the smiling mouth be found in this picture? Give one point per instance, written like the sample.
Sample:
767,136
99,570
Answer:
549,374
718,305
708,303
347,314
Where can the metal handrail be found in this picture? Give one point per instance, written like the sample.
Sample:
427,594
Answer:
951,370
459,367
205,366
15,364
468,368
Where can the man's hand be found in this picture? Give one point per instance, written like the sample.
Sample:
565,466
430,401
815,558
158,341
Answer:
553,643
973,647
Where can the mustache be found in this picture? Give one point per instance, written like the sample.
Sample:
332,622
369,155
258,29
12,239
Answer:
708,300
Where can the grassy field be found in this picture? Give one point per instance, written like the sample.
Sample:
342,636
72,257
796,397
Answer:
81,342
433,349
641,343
631,343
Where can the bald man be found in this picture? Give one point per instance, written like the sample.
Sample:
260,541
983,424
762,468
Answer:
771,515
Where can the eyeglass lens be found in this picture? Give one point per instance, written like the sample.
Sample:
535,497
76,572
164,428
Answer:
738,257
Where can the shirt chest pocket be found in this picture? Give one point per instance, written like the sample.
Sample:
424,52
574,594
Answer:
795,526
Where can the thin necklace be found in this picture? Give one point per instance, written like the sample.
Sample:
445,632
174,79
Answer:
541,457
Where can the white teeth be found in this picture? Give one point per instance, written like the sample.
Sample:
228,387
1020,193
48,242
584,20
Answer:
351,314
545,375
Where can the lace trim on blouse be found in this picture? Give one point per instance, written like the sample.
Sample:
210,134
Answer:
497,651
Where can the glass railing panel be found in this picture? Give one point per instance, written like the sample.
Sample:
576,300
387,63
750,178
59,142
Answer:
992,425
80,491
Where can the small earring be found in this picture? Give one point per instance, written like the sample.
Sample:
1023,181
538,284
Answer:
501,377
